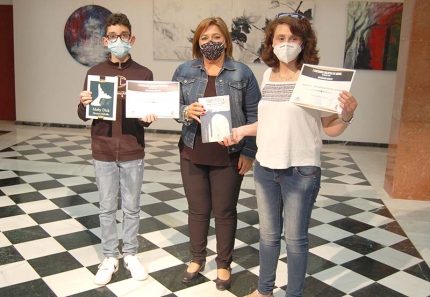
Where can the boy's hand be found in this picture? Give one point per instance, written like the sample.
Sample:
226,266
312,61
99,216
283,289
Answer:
149,118
85,97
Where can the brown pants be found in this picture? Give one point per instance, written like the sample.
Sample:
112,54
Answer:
211,188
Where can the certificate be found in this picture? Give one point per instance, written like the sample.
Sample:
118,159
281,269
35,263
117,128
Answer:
157,97
104,90
318,87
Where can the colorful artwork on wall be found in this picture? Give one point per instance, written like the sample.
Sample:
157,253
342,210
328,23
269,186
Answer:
175,22
83,34
373,35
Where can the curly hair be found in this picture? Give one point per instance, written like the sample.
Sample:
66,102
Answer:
203,26
117,19
301,28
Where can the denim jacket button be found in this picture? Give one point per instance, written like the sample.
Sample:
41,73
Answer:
233,149
185,81
220,80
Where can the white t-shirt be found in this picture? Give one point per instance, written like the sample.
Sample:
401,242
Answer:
288,135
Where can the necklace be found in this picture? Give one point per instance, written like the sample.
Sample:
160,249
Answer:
286,77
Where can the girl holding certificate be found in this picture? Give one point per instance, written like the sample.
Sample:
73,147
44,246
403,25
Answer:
287,170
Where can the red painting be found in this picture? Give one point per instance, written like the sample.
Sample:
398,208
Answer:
373,35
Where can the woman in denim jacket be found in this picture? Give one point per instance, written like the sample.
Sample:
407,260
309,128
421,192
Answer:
211,173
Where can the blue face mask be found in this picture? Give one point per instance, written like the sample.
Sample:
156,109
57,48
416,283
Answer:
119,48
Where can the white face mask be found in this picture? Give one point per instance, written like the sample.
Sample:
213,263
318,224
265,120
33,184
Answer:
287,51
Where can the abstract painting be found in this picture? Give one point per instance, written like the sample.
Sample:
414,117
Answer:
175,22
83,34
373,35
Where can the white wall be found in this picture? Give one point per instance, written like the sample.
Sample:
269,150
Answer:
48,80
5,2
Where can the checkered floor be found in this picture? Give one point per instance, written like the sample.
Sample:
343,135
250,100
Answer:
50,245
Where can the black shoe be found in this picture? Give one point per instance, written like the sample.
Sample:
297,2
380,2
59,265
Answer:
222,284
190,276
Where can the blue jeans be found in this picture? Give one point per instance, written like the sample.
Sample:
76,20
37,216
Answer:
285,198
122,179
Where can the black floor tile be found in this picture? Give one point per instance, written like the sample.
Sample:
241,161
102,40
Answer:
376,289
34,288
150,225
53,264
167,195
77,240
27,197
370,268
247,257
359,244
351,225
45,185
157,209
171,278
25,234
343,209
69,201
316,288
49,216
10,211
9,254
248,235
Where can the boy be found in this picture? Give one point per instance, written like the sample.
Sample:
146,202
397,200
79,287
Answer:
118,152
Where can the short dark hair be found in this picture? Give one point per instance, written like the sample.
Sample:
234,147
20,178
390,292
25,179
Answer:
204,24
299,27
117,19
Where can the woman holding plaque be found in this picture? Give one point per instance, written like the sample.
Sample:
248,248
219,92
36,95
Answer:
212,173
287,170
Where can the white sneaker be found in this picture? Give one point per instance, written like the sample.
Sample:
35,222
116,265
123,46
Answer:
132,263
106,269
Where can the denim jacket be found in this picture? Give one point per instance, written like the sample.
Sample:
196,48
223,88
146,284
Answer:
235,79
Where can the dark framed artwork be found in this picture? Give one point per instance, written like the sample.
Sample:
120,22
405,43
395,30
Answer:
373,35
83,34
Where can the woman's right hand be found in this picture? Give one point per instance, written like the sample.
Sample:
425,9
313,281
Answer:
194,111
85,97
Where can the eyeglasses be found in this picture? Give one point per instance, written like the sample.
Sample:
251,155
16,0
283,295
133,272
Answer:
290,14
114,37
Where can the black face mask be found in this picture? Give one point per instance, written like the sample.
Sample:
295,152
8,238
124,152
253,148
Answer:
212,50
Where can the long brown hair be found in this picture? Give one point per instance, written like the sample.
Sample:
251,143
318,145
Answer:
202,27
301,28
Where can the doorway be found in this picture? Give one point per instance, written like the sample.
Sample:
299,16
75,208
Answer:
7,72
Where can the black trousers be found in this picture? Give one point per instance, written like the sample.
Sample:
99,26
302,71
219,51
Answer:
216,189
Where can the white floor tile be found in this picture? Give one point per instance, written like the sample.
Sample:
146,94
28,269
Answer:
37,206
71,282
158,259
394,258
131,288
407,284
15,273
166,237
381,236
343,279
39,248
62,227
16,222
329,232
335,253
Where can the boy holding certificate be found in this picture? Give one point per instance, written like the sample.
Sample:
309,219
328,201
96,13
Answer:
117,150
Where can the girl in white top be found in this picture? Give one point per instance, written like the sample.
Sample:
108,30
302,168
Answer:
287,170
